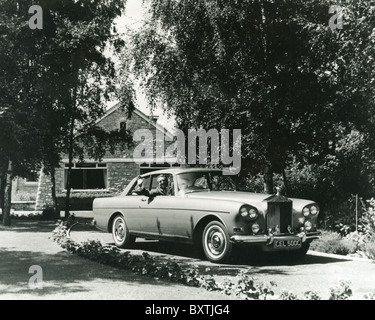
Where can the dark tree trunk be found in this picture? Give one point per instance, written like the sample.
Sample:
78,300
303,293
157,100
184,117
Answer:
7,194
53,193
268,180
70,156
2,186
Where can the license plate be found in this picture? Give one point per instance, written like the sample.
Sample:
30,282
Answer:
295,243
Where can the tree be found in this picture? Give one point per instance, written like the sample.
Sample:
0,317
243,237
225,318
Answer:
20,134
56,81
274,69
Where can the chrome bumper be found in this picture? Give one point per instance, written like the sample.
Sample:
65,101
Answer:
269,239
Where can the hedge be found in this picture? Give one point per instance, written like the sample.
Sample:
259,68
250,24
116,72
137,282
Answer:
82,200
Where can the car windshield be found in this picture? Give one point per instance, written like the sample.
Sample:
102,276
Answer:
204,181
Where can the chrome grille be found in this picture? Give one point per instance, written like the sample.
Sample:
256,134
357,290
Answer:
279,216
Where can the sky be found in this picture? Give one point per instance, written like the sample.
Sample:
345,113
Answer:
133,18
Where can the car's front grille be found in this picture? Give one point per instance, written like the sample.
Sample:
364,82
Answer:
279,217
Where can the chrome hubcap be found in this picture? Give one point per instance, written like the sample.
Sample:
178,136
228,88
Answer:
119,230
215,241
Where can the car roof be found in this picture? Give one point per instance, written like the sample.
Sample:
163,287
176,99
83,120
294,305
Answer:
180,170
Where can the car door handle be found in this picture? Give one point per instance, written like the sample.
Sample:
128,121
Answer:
144,199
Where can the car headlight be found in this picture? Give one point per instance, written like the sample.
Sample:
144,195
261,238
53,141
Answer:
249,212
255,228
308,225
314,210
305,211
253,213
244,212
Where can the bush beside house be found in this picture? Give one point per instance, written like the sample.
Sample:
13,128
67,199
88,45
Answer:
82,200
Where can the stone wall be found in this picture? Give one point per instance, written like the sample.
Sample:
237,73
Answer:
44,194
119,174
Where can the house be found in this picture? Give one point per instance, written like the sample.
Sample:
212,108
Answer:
115,171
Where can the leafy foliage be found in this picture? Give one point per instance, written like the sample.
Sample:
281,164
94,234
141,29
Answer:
344,241
311,295
370,296
287,295
56,83
341,292
273,69
331,242
364,238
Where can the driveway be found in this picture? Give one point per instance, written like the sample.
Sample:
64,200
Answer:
67,276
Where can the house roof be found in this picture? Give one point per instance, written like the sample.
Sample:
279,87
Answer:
140,114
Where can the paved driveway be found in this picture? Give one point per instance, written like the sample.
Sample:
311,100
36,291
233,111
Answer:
66,276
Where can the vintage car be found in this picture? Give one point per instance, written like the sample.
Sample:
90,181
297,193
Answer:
204,208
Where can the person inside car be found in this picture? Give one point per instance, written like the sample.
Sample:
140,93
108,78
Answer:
161,189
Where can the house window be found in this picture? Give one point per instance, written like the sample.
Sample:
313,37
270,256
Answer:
122,125
87,176
33,178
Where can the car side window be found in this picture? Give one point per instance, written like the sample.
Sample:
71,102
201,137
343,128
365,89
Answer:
169,187
145,184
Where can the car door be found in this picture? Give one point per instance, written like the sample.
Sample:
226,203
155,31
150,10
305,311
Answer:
158,214
140,220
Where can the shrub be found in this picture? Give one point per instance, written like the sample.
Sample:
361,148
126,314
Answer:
368,221
24,196
331,242
245,286
32,216
311,295
369,296
369,250
364,238
287,295
341,292
82,200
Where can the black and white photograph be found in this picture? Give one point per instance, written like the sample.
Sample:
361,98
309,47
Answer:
187,155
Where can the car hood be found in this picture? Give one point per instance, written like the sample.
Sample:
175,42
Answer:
245,197
229,195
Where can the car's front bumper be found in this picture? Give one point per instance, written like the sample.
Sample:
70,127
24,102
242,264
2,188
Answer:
269,239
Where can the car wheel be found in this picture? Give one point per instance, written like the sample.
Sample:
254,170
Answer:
120,233
216,244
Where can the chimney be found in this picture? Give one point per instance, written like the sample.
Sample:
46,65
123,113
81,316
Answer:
154,118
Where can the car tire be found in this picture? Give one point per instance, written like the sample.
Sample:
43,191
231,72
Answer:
216,243
120,233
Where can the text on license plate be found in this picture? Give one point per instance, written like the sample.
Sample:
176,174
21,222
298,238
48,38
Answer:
287,243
